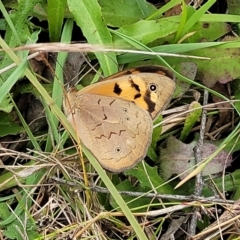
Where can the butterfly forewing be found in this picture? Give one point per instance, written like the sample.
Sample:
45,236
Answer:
151,91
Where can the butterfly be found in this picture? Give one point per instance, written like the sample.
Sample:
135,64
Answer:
114,117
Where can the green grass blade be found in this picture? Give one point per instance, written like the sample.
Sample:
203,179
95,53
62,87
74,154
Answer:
55,12
57,93
88,16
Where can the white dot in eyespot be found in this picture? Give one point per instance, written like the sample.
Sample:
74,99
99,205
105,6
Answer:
118,150
153,87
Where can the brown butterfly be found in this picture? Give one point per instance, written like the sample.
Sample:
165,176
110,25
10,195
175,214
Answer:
114,117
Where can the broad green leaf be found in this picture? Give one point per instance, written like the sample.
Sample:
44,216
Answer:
149,178
8,125
146,32
211,31
208,31
223,66
116,15
16,230
25,202
6,105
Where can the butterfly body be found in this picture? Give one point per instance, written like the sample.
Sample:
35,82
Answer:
113,118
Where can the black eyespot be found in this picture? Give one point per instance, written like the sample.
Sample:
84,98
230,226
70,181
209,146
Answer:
153,87
118,150
127,118
125,110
